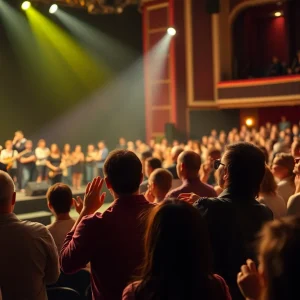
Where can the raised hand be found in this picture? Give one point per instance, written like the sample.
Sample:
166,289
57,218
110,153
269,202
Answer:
189,197
250,281
78,203
92,199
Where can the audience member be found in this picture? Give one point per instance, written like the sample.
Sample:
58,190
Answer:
296,64
112,241
159,184
268,195
235,217
282,168
151,164
60,201
28,255
188,166
175,152
276,277
295,149
275,68
207,172
122,144
293,206
178,263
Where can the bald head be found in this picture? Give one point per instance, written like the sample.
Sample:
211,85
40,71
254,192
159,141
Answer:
7,193
188,165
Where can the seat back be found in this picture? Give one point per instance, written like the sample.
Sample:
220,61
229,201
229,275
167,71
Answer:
62,293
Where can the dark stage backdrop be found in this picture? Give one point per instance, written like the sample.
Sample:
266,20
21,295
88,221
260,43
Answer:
203,121
40,112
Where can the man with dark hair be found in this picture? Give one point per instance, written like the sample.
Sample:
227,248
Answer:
144,156
113,241
175,152
151,164
235,217
60,201
188,166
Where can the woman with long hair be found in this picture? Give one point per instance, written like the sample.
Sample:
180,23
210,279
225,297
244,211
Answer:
54,164
277,275
67,164
77,169
177,263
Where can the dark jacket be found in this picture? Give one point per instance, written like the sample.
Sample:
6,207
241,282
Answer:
233,223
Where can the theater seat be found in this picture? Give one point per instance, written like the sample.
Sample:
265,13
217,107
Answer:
78,281
62,293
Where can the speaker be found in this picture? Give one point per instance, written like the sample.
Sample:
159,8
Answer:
170,132
213,6
36,189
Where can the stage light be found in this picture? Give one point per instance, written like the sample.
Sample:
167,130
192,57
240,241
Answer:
249,122
278,14
25,5
53,9
171,31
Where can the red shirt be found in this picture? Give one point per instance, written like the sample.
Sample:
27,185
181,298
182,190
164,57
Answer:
195,186
112,242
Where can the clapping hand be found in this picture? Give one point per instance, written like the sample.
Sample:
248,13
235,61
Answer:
189,197
92,198
250,281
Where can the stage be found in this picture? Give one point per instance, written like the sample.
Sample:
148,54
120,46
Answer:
35,209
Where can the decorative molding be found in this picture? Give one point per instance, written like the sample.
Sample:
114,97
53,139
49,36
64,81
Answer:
245,4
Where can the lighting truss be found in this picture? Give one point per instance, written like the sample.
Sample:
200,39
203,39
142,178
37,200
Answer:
94,6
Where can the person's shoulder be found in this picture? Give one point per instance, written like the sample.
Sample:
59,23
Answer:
294,198
34,229
206,202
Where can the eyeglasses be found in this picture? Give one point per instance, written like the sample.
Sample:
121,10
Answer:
297,159
217,164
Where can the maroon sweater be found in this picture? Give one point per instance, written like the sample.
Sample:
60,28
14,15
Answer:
112,242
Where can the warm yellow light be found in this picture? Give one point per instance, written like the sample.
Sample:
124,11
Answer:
171,31
278,14
25,5
249,122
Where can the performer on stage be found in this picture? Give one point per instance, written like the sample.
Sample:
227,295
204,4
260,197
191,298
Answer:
54,165
8,158
90,162
28,165
77,169
67,164
41,153
102,155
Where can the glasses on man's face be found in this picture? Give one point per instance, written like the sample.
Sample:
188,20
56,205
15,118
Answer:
217,164
297,160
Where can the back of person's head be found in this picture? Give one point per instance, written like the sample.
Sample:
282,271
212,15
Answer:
268,185
214,153
295,149
123,171
177,256
151,164
7,193
145,155
161,181
188,165
279,250
60,198
246,168
175,152
283,165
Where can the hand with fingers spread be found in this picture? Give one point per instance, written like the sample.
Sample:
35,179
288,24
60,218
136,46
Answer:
78,203
92,198
189,197
250,281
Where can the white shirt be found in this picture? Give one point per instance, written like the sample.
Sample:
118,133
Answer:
275,203
41,156
286,188
8,154
28,259
59,229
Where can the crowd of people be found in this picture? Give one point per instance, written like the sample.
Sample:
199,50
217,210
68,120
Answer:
218,219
